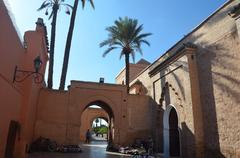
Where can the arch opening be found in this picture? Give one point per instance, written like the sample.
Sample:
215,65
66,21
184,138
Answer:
100,128
174,134
171,133
98,117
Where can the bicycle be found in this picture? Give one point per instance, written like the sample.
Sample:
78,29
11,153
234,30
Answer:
142,155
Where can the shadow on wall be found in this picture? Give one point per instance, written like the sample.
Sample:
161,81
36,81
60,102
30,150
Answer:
205,62
157,125
160,112
216,64
212,58
187,141
209,58
184,67
188,145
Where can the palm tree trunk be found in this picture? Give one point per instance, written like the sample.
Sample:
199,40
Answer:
68,46
127,70
52,46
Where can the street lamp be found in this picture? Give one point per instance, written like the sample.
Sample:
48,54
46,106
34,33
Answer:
101,80
21,75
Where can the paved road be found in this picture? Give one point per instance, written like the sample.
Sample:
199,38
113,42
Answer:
96,149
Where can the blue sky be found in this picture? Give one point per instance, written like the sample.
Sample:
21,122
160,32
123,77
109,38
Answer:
167,20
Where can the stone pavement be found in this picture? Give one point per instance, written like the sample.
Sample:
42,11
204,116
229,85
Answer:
96,149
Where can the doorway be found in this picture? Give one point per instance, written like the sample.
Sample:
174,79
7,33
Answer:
171,133
13,130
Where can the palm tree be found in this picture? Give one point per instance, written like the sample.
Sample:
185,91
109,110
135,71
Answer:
54,5
69,42
126,35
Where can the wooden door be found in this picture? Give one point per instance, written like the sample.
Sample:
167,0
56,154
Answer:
12,134
174,134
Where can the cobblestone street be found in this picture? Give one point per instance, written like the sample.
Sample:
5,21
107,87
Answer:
96,149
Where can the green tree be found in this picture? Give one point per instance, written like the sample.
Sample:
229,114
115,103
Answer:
69,42
54,5
101,129
126,35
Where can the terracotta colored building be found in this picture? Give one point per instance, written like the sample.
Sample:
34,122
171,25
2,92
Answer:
187,100
18,100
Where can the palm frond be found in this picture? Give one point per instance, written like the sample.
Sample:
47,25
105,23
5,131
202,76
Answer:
83,3
44,5
50,16
67,5
121,54
108,50
137,47
144,41
137,31
106,42
140,50
92,4
113,31
133,56
119,43
141,36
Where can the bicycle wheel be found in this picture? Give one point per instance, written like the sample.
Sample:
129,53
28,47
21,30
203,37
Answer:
136,156
52,147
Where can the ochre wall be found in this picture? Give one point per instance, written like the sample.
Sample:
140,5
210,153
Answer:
60,112
52,114
18,100
36,46
179,82
134,70
218,64
139,118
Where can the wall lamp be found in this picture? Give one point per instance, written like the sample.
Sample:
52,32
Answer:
21,75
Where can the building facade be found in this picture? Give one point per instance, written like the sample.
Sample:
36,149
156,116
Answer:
196,86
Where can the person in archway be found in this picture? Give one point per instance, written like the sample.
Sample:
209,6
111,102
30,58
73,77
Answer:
148,145
88,136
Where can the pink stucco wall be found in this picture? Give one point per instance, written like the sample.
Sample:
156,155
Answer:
18,100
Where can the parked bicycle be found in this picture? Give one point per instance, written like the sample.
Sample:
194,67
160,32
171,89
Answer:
148,146
142,155
43,144
48,145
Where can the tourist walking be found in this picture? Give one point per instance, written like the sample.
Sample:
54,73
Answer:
88,136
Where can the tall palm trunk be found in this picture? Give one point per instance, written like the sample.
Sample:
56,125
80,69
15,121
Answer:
68,46
52,46
127,70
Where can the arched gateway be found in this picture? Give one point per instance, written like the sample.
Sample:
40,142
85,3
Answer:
109,116
89,117
59,112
